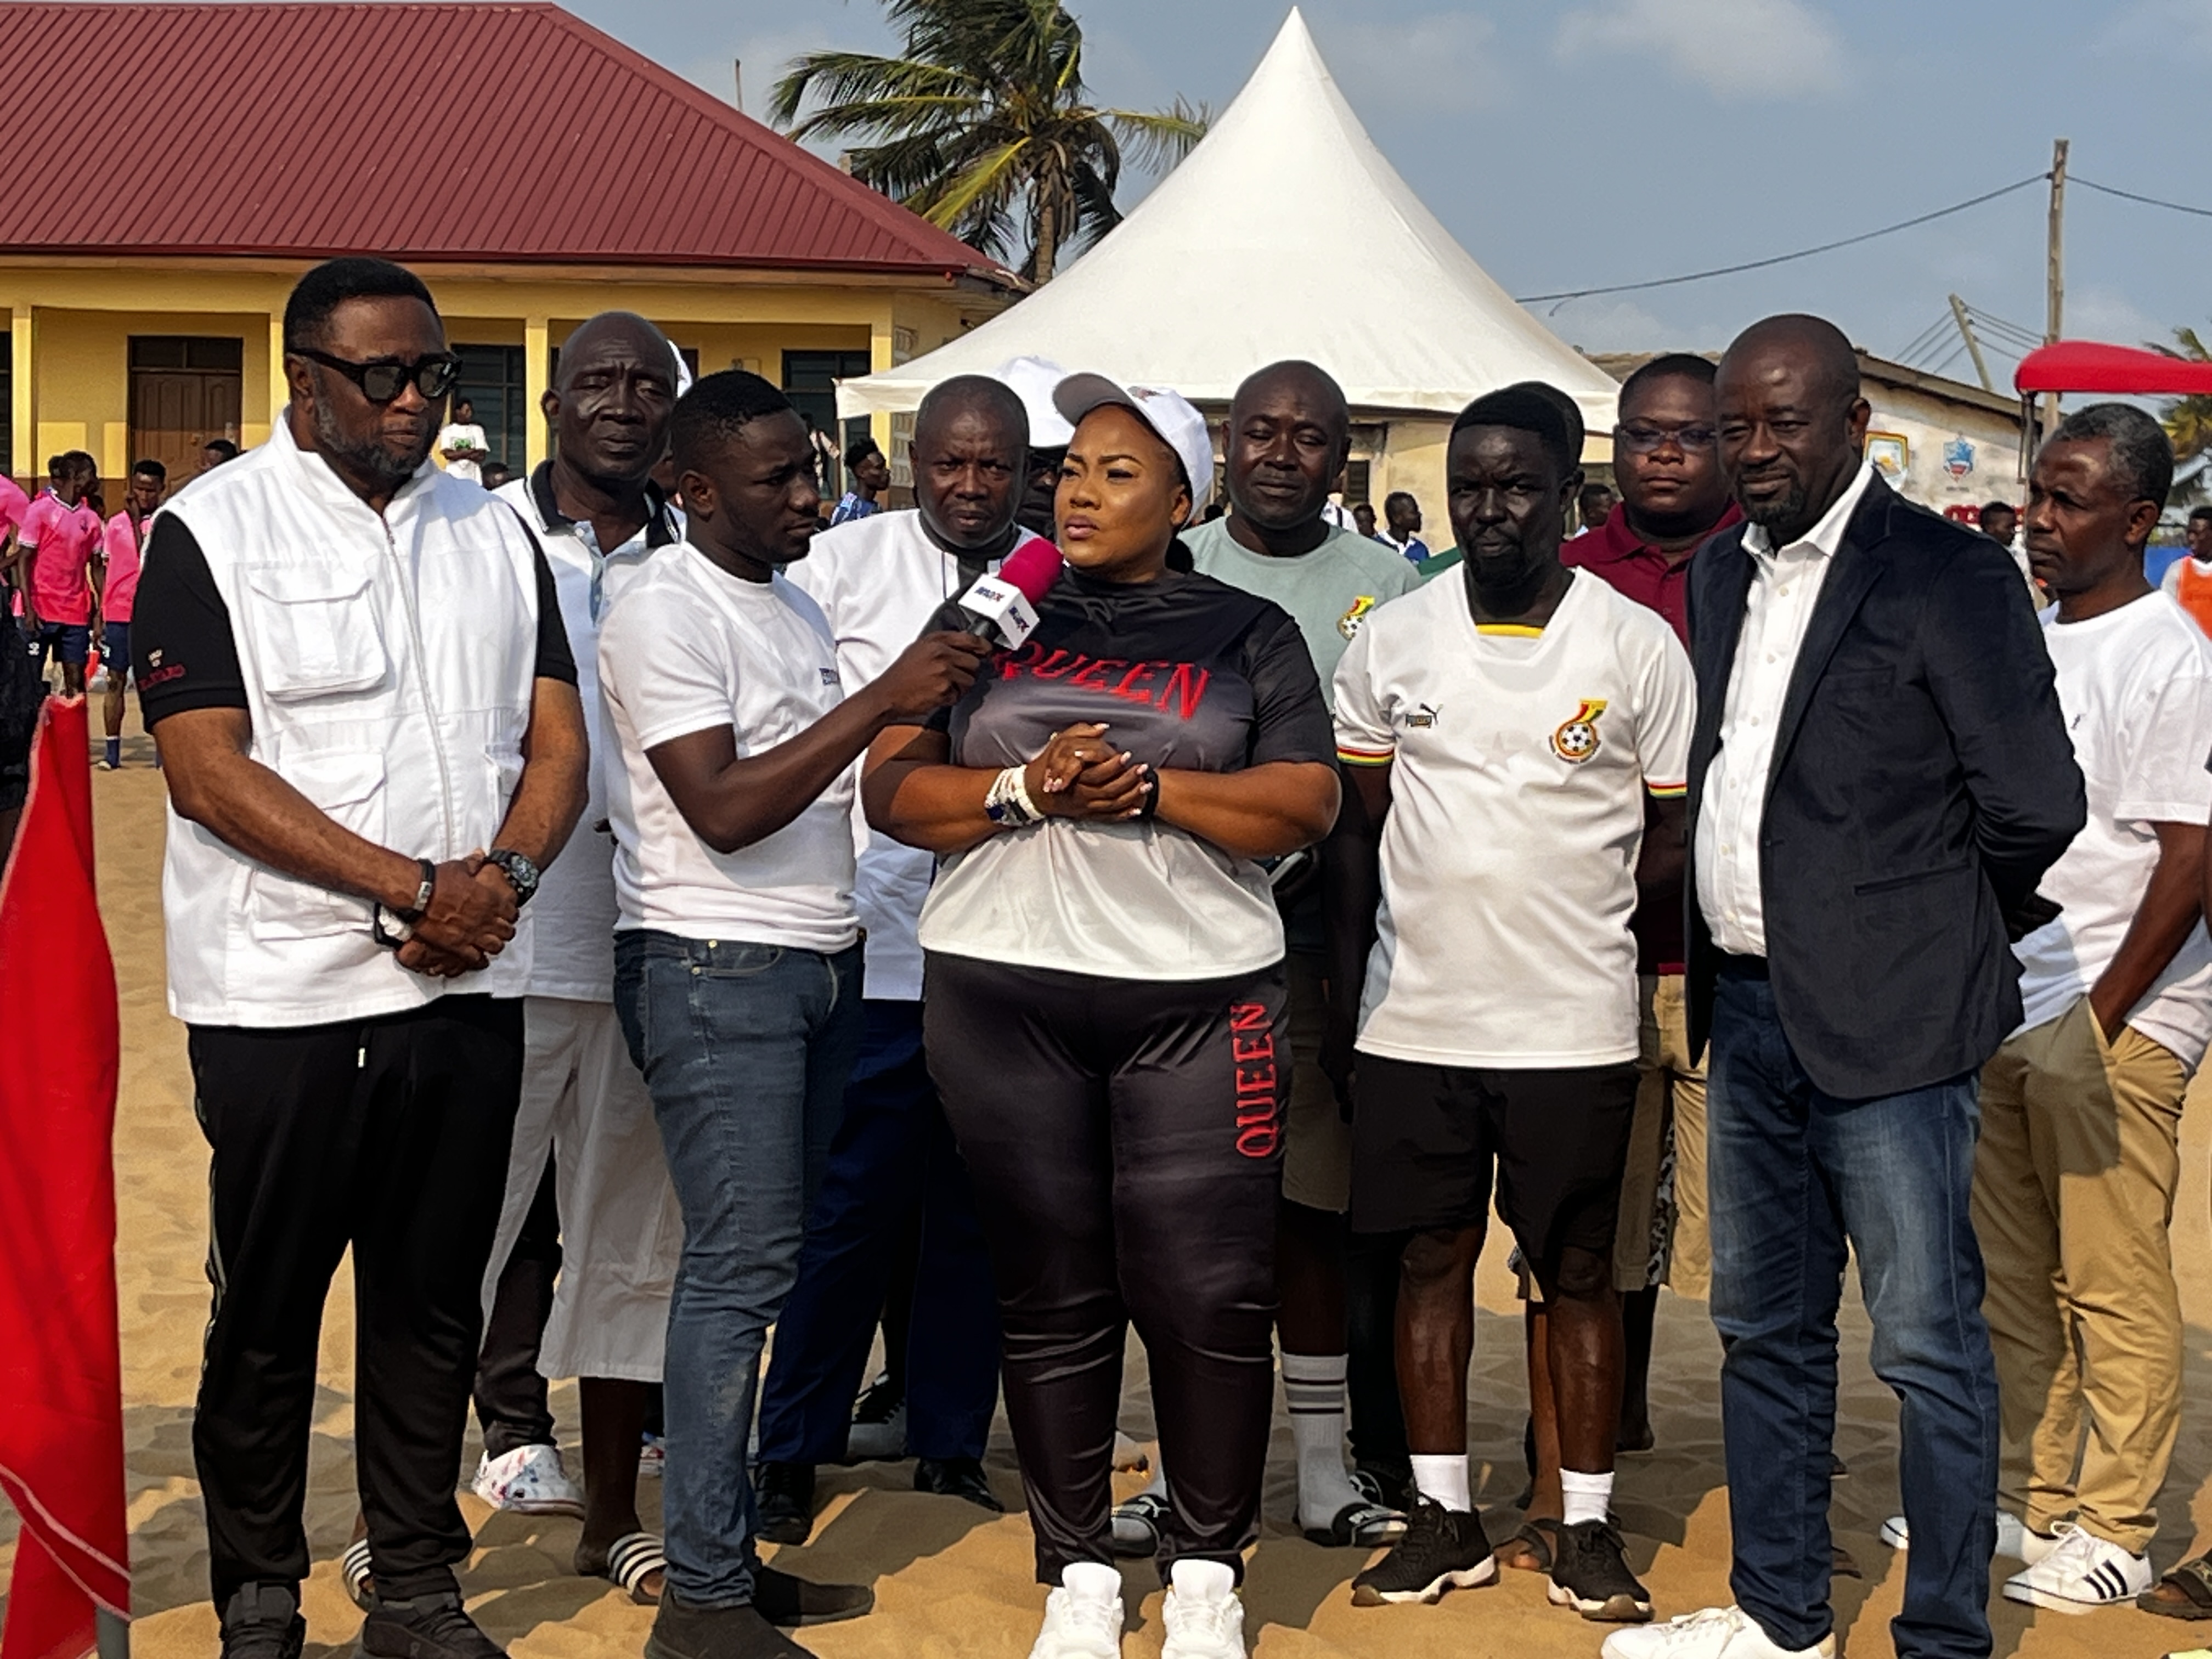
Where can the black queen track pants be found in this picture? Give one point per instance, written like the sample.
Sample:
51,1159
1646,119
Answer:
1125,1137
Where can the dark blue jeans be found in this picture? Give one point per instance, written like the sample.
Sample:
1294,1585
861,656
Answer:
746,1050
1797,1178
893,1155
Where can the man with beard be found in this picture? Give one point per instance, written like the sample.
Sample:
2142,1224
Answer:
1882,775
1517,735
368,713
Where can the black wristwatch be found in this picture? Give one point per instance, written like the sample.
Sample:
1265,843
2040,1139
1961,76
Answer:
521,874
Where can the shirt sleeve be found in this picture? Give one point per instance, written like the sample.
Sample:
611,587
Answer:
183,653
1363,734
1668,715
2170,583
660,668
1289,720
2164,739
556,658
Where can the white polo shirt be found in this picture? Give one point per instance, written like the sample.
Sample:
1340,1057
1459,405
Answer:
691,647
1520,764
878,580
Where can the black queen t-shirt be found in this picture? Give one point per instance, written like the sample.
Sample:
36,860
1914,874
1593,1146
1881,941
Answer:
1187,674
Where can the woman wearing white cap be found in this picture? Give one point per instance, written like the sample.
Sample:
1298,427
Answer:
1104,997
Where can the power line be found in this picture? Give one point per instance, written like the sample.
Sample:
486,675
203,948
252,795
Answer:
1801,254
2147,201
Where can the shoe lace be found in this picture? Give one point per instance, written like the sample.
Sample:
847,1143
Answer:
1190,1615
2075,1548
1689,1628
442,1619
1091,1614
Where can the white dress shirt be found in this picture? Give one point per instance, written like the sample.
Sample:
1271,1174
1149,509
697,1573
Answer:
1785,585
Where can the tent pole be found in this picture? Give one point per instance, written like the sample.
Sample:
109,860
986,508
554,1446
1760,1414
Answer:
2055,274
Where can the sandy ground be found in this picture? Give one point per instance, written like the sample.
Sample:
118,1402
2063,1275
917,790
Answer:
950,1579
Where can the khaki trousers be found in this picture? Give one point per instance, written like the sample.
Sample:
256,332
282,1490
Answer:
1666,1072
2073,1185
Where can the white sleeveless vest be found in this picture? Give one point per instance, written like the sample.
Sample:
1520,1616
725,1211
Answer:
388,664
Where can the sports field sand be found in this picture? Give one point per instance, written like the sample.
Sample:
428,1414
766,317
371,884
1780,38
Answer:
951,1580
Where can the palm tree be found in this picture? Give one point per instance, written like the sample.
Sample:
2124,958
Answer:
2188,419
984,126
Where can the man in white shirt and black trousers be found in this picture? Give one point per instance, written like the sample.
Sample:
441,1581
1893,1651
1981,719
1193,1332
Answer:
368,718
1881,777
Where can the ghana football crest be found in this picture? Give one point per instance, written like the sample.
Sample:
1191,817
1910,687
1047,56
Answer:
1348,623
1576,739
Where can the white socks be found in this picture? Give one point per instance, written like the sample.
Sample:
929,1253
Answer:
1588,1496
1443,1479
1313,1389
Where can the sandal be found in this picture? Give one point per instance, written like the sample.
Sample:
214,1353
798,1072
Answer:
1358,1525
1529,1550
2192,1579
1137,1525
629,1561
353,1567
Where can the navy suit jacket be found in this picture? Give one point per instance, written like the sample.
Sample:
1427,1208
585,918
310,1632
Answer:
1921,783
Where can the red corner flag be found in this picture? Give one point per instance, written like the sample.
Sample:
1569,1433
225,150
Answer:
61,1371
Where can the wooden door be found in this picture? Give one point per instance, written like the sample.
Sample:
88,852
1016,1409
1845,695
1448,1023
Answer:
184,393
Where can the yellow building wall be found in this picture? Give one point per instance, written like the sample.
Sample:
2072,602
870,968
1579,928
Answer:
81,365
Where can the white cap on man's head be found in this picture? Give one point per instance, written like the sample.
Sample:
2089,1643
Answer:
1034,380
1169,414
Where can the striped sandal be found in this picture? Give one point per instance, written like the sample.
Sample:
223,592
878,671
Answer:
629,1561
353,1567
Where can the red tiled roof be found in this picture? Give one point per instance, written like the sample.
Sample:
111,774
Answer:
492,131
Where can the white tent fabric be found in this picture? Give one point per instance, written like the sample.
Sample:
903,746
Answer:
1284,234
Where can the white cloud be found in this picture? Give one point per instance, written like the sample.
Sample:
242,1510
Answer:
1737,49
1444,64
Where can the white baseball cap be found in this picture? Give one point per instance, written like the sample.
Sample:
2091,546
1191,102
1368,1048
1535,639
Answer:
1169,414
1033,379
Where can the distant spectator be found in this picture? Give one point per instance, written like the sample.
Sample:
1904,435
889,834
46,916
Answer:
215,451
2188,580
2000,522
1401,525
869,475
461,443
1362,521
119,589
496,475
1596,503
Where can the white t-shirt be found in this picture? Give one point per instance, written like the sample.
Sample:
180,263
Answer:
458,435
878,580
574,911
2136,687
689,648
1520,766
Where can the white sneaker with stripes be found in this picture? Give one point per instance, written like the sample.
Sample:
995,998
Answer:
2082,1573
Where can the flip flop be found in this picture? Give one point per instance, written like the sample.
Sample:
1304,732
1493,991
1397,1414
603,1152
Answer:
1529,1550
1137,1525
2193,1578
629,1561
353,1567
1358,1525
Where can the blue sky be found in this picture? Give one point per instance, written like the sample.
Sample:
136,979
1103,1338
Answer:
1587,142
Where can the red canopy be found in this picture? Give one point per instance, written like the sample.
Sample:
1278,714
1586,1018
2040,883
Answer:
2090,365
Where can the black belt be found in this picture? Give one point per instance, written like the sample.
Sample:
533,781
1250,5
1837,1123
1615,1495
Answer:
1735,967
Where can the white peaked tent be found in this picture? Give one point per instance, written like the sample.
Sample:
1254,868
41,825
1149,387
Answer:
1284,234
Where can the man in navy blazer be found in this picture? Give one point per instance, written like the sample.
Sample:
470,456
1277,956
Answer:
1879,778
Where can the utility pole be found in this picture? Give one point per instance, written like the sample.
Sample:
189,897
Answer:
737,82
2055,280
1973,345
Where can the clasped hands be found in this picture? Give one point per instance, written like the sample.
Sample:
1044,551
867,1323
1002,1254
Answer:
469,920
1081,775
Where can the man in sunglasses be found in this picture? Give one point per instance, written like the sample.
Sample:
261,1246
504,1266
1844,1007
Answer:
367,709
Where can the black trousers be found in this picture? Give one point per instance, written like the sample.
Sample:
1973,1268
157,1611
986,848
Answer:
390,1135
1125,1138
512,1401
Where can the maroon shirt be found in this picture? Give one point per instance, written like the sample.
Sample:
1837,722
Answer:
1637,570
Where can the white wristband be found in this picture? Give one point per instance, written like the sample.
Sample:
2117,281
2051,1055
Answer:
1009,803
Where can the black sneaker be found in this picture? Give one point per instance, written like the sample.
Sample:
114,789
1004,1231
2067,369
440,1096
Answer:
262,1621
1589,1573
878,1431
956,1477
1389,1483
682,1632
433,1626
786,1599
1442,1549
784,1495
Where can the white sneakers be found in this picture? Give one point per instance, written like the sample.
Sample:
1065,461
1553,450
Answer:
528,1481
2079,1573
1715,1633
1083,1617
2015,1541
1203,1616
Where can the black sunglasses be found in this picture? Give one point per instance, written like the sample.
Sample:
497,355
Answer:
381,382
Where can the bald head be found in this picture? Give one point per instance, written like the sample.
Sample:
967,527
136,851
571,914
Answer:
970,458
1792,424
1288,439
610,403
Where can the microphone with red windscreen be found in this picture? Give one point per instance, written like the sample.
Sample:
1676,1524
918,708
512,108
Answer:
1001,608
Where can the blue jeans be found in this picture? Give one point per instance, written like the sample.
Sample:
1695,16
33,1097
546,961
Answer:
745,1050
1797,1177
894,1158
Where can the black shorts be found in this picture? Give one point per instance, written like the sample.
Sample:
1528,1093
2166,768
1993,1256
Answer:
1425,1138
